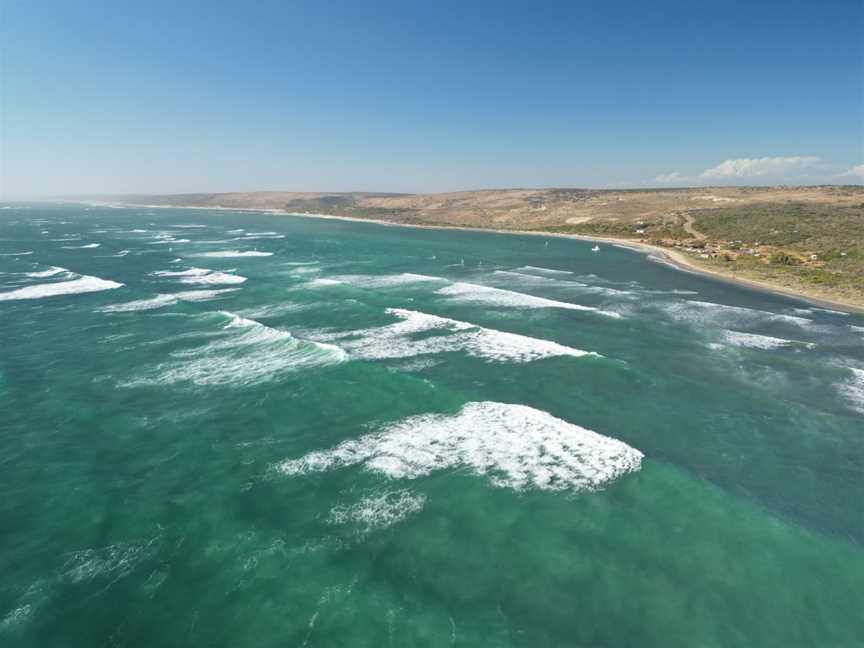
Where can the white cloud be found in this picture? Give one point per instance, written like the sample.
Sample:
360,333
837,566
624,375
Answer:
755,167
667,178
856,171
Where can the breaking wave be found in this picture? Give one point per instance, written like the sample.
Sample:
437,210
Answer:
754,341
386,281
230,254
83,284
160,301
515,446
401,340
50,272
201,276
477,294
246,353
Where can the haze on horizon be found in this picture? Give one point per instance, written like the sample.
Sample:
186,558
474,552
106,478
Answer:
166,97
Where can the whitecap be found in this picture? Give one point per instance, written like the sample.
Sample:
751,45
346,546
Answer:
477,294
321,283
158,301
400,340
230,254
15,253
50,272
699,312
754,341
82,284
201,276
386,281
545,270
214,278
189,272
246,353
274,310
162,300
80,247
515,446
169,241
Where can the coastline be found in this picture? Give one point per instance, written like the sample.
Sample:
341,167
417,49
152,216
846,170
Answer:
672,258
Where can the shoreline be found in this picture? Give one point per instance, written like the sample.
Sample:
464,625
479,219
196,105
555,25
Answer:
672,258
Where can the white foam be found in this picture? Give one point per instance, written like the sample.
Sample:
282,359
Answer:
162,300
545,270
246,353
274,310
158,301
399,340
754,341
321,283
477,294
80,247
201,276
113,561
190,272
213,278
121,253
741,311
203,295
378,511
15,253
515,446
50,272
230,254
169,241
814,309
191,226
386,281
83,284
260,235
853,389
708,313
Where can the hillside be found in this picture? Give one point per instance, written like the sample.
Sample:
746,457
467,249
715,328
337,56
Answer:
808,240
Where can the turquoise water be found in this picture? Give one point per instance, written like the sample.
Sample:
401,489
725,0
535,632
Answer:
237,429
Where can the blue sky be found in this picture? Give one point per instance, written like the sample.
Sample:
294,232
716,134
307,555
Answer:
121,96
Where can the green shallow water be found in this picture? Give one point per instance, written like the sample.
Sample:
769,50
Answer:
313,459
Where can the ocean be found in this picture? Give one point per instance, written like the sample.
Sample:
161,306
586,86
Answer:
227,428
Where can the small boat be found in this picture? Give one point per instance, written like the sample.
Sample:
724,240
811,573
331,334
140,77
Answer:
596,248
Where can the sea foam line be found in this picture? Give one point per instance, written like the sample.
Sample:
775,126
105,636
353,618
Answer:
515,446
